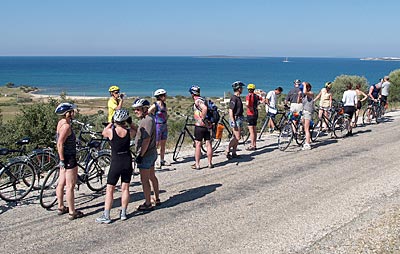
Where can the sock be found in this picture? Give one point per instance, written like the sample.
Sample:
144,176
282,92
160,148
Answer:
123,211
107,213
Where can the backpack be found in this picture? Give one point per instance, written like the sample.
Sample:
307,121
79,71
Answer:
212,111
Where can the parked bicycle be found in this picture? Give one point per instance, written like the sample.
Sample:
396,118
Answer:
17,176
293,129
93,168
374,111
279,121
329,124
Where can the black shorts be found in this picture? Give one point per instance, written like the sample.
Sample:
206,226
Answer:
70,161
252,120
358,105
201,133
121,166
383,100
349,110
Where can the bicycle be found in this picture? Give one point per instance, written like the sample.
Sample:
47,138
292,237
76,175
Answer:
224,125
278,126
95,165
185,130
293,129
17,176
329,122
375,110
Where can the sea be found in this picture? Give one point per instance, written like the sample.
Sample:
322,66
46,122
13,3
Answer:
141,76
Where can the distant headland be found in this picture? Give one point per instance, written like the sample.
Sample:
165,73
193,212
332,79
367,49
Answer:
380,59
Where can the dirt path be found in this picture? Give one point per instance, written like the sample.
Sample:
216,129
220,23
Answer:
343,196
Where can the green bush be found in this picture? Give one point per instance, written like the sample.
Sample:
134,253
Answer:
340,85
394,92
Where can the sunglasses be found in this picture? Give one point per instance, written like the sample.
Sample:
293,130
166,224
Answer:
116,92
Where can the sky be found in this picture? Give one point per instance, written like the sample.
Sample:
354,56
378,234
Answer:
266,28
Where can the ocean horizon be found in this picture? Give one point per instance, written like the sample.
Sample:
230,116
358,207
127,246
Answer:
141,76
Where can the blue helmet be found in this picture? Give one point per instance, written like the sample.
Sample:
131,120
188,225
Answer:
194,90
64,108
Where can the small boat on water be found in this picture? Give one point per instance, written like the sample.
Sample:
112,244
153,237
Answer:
285,60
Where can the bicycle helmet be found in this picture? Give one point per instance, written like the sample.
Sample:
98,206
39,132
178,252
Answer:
251,86
113,89
140,103
159,92
237,84
297,81
64,108
121,115
328,85
194,90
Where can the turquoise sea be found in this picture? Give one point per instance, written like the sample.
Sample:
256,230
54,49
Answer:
140,76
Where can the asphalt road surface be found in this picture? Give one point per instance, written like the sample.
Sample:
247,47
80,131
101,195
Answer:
343,196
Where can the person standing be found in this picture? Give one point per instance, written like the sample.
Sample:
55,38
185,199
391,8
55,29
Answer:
202,127
349,103
359,102
66,148
119,133
146,150
294,97
385,90
159,110
308,111
325,102
236,119
270,107
115,101
252,101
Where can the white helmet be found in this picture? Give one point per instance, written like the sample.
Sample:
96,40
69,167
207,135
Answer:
121,115
140,103
64,107
159,92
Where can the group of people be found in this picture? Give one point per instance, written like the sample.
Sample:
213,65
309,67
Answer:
152,132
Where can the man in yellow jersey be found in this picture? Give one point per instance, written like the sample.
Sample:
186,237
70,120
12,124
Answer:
115,101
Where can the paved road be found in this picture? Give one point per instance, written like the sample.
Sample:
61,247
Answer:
343,196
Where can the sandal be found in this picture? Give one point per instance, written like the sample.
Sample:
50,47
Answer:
145,207
61,211
228,155
194,167
250,148
75,215
236,155
157,202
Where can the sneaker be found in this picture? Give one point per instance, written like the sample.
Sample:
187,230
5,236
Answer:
103,219
122,216
165,163
306,147
158,165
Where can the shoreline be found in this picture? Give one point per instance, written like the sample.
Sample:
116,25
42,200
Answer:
73,97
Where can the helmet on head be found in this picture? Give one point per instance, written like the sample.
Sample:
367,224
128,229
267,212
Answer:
194,90
297,81
64,108
159,92
328,85
140,103
113,88
237,84
251,86
121,115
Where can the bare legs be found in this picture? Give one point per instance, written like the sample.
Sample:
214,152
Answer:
68,180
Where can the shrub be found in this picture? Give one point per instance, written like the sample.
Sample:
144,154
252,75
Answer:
394,92
340,85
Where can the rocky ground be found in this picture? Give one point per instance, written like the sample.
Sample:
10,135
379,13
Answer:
343,196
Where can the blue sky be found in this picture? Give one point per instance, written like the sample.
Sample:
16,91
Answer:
336,28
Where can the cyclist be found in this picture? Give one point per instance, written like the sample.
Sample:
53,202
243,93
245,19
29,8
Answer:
325,102
374,92
66,147
252,101
115,101
159,110
294,97
359,102
349,104
119,133
236,119
146,149
202,127
270,106
308,111
385,90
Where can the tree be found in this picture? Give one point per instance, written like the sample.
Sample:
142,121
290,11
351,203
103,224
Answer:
394,92
340,85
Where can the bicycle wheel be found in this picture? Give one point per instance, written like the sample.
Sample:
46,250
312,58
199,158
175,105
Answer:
178,146
313,133
244,133
378,114
285,137
98,171
317,130
43,161
367,116
48,197
16,181
300,136
341,126
215,143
